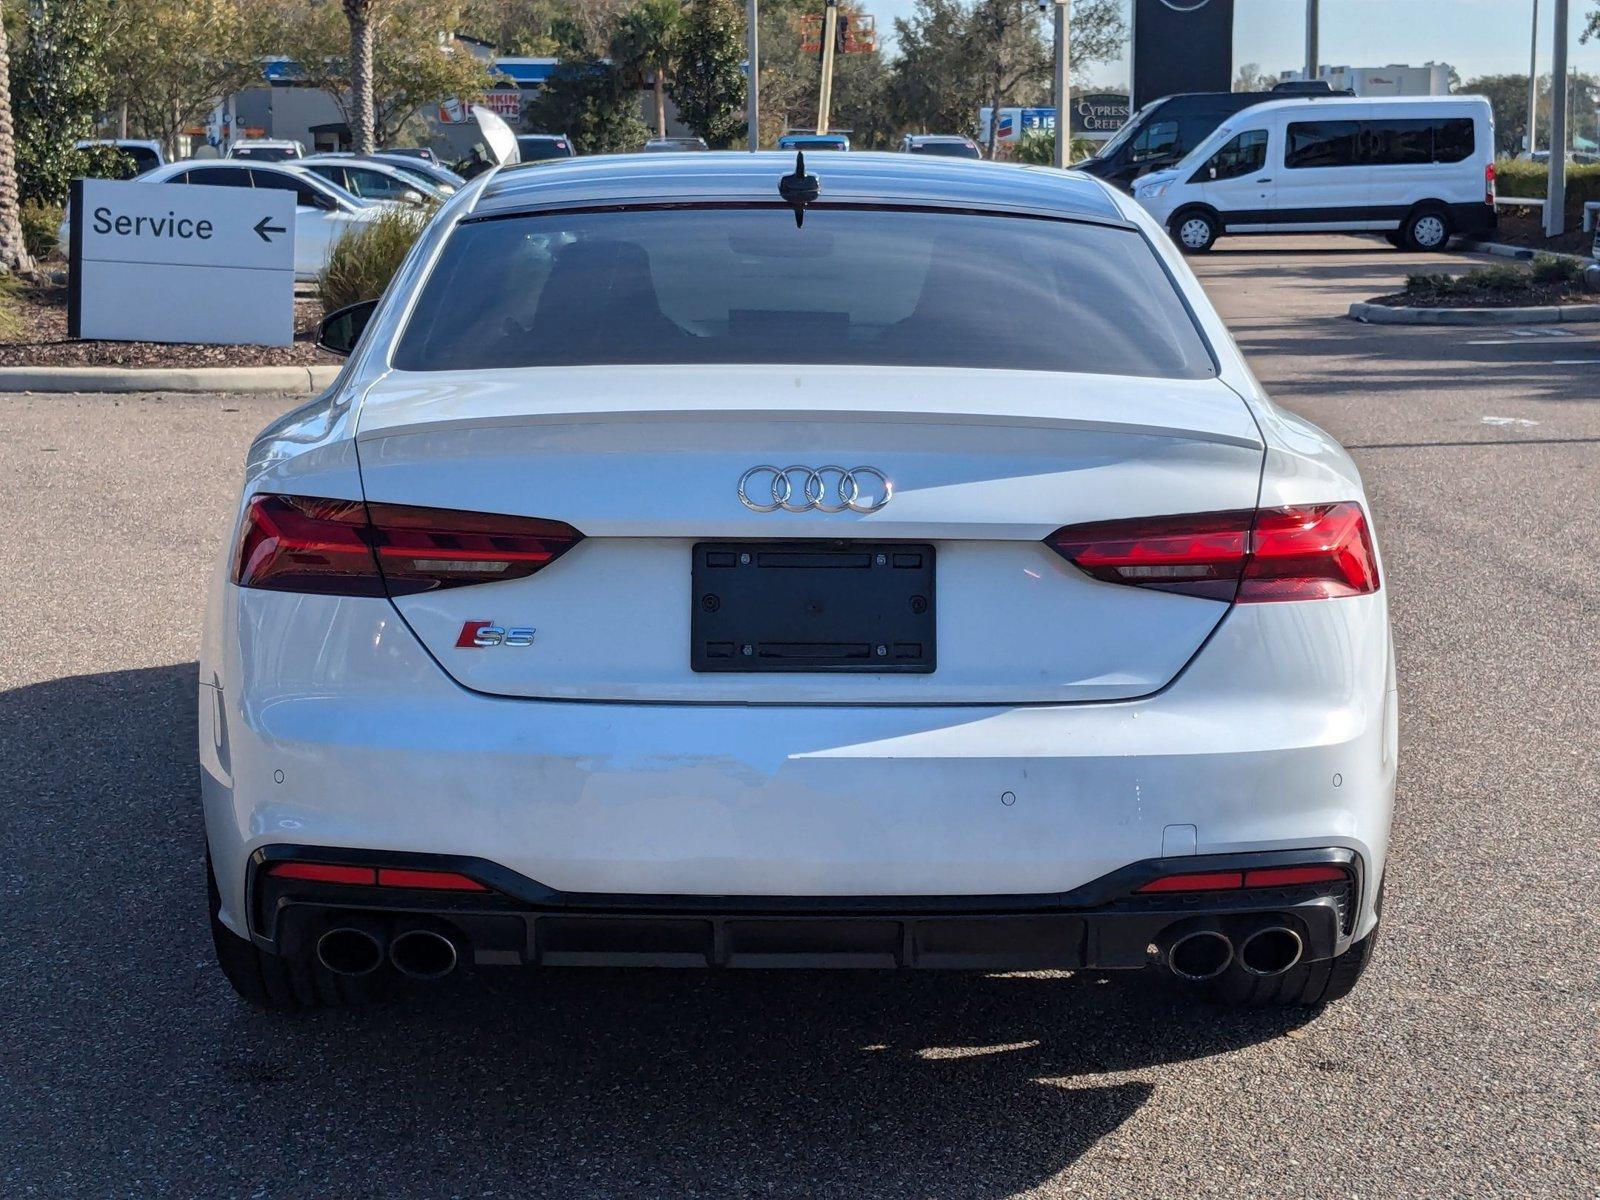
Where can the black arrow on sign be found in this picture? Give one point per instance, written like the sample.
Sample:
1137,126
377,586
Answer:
262,229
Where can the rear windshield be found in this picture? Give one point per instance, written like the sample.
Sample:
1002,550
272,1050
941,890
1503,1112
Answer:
854,286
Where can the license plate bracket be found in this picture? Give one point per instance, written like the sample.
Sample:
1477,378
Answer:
813,607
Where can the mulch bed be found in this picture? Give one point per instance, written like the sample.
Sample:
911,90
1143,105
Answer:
43,342
1530,296
1525,227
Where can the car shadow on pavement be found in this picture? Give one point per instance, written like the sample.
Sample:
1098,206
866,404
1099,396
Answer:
565,1083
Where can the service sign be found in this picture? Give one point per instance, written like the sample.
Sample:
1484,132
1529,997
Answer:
154,262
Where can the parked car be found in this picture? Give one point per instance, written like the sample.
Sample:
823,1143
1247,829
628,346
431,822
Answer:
666,584
142,155
266,149
442,177
324,212
421,152
944,145
813,141
1418,169
371,180
672,145
537,147
1165,130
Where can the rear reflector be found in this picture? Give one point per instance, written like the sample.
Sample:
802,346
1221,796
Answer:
1302,552
1222,881
1286,876
1209,881
323,873
439,881
347,548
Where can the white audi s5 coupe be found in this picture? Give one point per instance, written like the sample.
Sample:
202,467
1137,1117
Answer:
716,560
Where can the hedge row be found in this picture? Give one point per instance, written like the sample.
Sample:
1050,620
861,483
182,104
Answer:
1514,178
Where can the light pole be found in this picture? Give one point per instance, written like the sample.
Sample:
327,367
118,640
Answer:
1312,53
752,84
1063,88
1533,80
1556,190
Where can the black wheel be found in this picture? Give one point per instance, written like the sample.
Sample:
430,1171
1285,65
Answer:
1394,239
1426,229
1195,231
271,981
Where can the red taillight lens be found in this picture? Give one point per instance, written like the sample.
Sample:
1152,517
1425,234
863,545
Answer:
303,544
347,548
1488,184
1304,552
1196,554
1312,553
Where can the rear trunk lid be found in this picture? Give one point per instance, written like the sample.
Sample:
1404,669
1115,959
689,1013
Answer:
646,462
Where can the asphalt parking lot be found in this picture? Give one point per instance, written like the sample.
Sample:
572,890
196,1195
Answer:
1465,1064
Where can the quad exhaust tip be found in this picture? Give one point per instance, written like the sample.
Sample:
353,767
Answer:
423,954
1271,951
350,951
1200,954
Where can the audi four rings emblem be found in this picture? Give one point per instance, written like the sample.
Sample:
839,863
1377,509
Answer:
825,489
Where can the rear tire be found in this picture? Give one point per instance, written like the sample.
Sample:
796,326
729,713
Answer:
1394,239
1426,230
1195,231
271,981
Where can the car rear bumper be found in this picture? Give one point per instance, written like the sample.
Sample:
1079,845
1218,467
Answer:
1104,925
1266,742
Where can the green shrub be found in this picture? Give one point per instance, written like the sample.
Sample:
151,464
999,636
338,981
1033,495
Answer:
1556,268
1037,148
1496,279
366,258
1515,178
41,226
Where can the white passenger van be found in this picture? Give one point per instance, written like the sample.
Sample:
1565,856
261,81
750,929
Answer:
1417,169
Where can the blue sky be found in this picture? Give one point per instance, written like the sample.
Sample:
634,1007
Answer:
1477,37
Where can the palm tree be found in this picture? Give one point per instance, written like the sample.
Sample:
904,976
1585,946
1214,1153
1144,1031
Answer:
646,44
362,114
14,257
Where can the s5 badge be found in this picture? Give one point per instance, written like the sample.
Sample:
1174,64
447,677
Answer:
482,635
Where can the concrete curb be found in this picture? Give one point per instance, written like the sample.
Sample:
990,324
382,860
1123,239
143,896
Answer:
1384,314
1502,250
166,379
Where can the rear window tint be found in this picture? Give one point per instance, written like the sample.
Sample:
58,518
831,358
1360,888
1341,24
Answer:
854,286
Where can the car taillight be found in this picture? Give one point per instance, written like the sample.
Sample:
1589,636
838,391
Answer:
1488,184
347,548
1302,552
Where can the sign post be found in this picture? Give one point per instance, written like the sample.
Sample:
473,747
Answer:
181,263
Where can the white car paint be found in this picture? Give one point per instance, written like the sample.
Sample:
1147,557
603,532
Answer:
1141,724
